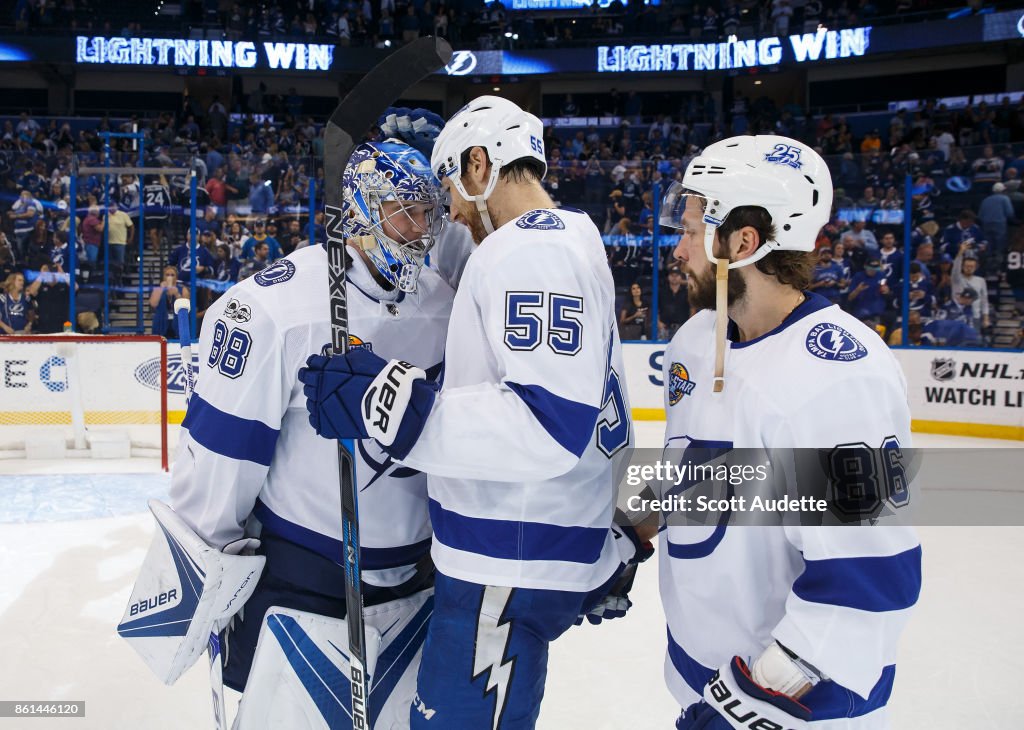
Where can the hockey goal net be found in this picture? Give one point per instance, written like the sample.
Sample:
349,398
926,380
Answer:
89,396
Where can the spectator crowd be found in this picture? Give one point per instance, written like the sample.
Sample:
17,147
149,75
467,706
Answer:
256,180
477,23
965,201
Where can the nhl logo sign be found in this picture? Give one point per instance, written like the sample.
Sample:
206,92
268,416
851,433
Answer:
943,368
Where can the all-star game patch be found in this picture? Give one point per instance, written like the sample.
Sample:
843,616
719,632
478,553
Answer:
679,383
353,343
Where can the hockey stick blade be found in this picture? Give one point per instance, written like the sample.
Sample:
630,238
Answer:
351,120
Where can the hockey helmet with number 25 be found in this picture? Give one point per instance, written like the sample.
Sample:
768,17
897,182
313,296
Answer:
785,177
499,126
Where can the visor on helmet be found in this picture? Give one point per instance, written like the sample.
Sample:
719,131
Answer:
673,205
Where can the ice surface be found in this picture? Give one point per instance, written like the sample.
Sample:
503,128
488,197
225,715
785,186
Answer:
71,541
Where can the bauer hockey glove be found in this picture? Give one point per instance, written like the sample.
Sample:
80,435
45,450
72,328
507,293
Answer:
416,127
360,395
615,602
733,700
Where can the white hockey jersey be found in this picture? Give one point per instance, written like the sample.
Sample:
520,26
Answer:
247,448
520,442
838,597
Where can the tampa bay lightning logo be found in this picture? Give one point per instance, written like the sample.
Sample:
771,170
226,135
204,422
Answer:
382,464
540,220
785,154
277,273
462,63
831,342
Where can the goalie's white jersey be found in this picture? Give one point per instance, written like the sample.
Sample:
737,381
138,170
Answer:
532,415
838,597
247,447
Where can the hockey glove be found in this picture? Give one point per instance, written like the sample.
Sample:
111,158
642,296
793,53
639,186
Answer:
732,699
616,602
360,395
416,127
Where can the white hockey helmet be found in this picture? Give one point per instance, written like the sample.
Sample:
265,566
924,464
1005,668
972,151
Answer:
499,126
785,177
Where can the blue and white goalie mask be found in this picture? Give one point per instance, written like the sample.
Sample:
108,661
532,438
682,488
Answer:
392,209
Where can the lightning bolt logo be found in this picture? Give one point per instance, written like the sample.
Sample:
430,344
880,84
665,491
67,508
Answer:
492,638
838,343
831,342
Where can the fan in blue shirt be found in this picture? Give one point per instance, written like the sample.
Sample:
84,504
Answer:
867,292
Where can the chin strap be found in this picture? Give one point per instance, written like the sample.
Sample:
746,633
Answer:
721,301
480,201
485,216
721,321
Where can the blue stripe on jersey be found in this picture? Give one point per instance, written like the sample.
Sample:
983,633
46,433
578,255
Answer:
695,674
331,548
827,701
434,371
888,583
568,422
698,550
229,435
512,540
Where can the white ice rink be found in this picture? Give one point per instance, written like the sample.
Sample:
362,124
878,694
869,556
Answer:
70,547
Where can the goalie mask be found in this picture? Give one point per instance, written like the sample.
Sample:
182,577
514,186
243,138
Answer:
391,209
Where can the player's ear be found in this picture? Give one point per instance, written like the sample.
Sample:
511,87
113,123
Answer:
744,242
478,167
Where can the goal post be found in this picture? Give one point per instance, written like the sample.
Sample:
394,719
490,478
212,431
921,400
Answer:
80,395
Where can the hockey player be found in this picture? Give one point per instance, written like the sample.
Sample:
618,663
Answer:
777,627
249,466
519,442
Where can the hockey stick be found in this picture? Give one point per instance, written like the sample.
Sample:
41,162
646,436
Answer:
182,308
351,120
181,311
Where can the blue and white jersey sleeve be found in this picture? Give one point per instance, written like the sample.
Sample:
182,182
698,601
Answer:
533,343
845,612
233,421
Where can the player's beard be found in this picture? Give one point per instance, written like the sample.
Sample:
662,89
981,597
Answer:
700,288
472,220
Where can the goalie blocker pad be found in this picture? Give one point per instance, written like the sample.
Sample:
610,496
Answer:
300,672
185,590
